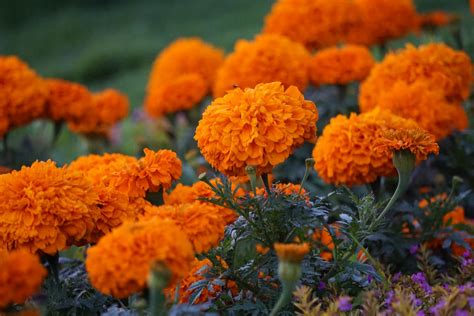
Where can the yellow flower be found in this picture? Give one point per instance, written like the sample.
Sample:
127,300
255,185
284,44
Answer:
259,127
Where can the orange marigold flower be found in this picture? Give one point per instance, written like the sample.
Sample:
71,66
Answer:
45,208
417,141
107,108
67,101
202,223
345,153
120,262
198,272
436,18
261,249
266,59
471,4
259,127
425,105
115,207
179,94
21,275
341,65
323,237
314,23
439,66
291,252
183,194
22,93
155,171
381,20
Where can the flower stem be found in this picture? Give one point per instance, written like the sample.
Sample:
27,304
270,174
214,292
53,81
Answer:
158,279
284,298
309,163
404,161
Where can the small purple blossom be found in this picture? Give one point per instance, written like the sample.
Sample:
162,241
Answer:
414,249
460,312
344,303
389,298
321,285
416,301
420,313
396,276
420,279
436,309
370,278
470,301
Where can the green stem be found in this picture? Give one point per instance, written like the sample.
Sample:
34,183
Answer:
285,297
158,279
57,128
309,163
53,264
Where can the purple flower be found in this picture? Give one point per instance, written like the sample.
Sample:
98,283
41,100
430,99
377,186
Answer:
420,279
344,304
369,278
436,309
420,313
470,301
321,285
460,312
389,298
416,301
414,249
396,276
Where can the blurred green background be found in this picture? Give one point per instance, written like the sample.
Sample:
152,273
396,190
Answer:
112,43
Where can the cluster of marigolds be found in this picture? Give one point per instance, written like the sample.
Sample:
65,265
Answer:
408,101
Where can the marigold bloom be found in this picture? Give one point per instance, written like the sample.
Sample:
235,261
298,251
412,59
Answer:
22,93
291,252
259,127
67,101
179,94
268,58
425,105
381,20
439,66
107,108
155,171
183,194
345,153
261,249
341,65
198,272
419,142
45,208
120,262
21,275
325,239
436,18
202,223
314,23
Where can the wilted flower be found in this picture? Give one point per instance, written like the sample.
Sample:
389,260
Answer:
21,275
341,65
22,93
45,208
258,127
266,59
120,262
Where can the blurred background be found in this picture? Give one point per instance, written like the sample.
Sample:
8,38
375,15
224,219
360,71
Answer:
112,43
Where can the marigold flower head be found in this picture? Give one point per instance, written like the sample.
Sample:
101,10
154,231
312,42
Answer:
314,23
259,127
120,262
183,194
67,101
179,94
439,66
45,208
323,237
425,105
202,223
291,252
341,65
157,170
436,18
268,58
198,272
381,20
456,216
22,93
417,141
107,108
345,153
21,275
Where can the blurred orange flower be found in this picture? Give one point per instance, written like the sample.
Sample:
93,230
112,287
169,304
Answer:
291,252
23,94
21,275
258,127
341,65
266,59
